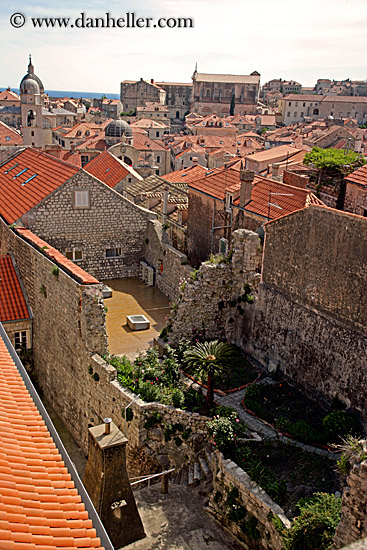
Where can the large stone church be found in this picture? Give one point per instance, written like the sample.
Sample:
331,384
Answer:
222,93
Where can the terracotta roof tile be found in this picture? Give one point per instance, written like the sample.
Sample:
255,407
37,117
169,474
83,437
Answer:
66,264
107,168
290,198
13,305
359,176
186,175
8,136
27,178
36,513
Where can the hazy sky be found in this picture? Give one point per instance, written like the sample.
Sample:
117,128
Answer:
292,39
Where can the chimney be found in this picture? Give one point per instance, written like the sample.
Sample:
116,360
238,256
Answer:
246,178
108,485
164,206
195,161
152,80
275,170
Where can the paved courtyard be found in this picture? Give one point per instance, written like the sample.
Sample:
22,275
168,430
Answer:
133,297
177,521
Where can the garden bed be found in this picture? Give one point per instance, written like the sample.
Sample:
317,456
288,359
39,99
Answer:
295,415
240,374
286,472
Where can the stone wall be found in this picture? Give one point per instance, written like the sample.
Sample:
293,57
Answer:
69,340
297,180
210,303
259,506
170,264
111,221
106,397
353,523
68,326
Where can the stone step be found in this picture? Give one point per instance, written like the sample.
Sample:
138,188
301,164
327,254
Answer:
208,457
184,476
191,475
204,466
197,472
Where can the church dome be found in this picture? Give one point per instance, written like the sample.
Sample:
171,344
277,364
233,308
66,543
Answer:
117,129
30,83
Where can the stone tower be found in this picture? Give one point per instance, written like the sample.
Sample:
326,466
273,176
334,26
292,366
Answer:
31,105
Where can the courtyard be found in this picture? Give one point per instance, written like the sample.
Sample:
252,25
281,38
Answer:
133,297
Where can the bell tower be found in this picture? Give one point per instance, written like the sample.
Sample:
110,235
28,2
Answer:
31,105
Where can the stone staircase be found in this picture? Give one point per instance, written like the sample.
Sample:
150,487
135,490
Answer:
196,473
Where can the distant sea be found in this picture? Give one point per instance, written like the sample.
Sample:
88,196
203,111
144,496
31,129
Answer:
63,93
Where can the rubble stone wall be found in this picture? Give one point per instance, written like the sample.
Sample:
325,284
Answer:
259,506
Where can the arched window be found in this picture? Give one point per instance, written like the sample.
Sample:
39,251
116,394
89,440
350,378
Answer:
128,161
177,114
315,111
31,117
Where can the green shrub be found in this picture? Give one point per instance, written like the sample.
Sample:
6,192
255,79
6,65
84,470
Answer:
314,528
343,464
153,420
222,432
340,424
178,398
302,431
249,528
55,271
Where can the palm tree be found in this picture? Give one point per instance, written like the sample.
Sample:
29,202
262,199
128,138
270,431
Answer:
208,359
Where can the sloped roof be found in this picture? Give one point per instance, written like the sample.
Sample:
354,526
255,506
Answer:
67,265
359,176
40,508
13,305
109,169
18,192
290,198
273,153
283,198
9,95
227,78
8,136
186,175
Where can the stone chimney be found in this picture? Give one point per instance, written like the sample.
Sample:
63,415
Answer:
108,485
195,161
275,168
246,178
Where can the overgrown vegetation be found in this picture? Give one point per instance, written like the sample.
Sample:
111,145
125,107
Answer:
294,414
315,526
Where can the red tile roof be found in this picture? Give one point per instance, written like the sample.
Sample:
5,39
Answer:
67,265
8,136
13,305
216,182
19,193
107,168
9,95
359,176
283,198
186,175
290,198
40,508
144,143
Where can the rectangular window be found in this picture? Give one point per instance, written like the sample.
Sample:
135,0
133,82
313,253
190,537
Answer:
288,114
158,158
20,340
81,198
75,255
113,252
295,114
84,160
157,134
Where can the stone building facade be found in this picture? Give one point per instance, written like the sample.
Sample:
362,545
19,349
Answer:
137,94
213,93
105,236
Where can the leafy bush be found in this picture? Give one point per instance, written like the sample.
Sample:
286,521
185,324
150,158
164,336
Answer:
153,420
178,398
222,432
316,524
340,424
302,431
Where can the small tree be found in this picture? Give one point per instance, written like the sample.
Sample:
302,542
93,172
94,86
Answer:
208,359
